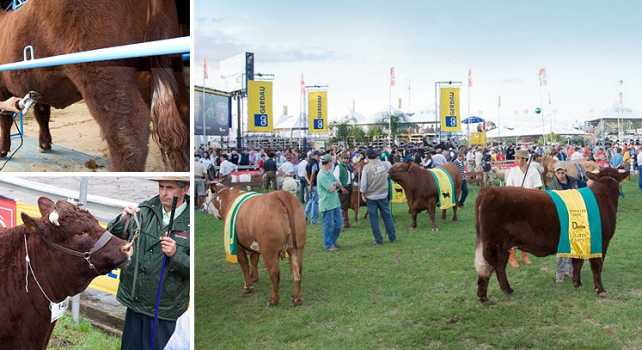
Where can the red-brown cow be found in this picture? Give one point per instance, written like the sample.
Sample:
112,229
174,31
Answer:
421,190
52,243
515,217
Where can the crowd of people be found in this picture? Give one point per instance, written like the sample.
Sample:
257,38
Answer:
324,180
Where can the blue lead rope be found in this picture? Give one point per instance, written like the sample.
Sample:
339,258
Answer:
161,281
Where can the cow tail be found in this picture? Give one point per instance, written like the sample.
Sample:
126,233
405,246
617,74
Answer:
170,129
290,211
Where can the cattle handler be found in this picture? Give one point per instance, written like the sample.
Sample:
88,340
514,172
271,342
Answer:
139,281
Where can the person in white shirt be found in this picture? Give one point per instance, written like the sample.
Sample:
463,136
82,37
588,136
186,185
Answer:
227,167
303,183
285,169
577,155
522,175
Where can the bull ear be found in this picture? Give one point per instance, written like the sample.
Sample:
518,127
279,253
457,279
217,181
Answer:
622,174
593,176
30,222
46,206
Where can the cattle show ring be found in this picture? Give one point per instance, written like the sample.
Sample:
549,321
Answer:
424,290
95,101
270,274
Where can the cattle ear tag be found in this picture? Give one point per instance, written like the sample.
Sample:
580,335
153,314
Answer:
58,309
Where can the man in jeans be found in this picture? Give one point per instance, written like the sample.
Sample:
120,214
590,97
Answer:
270,173
329,205
374,190
312,206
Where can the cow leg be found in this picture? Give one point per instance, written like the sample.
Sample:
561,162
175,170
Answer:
414,219
431,213
116,103
271,260
484,259
500,270
577,269
43,113
443,214
296,265
596,268
245,268
455,213
254,267
5,134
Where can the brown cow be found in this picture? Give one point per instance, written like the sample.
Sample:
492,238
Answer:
125,97
421,191
24,312
270,225
516,217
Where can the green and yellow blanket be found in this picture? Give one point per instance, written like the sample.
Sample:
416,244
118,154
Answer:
446,192
580,223
229,235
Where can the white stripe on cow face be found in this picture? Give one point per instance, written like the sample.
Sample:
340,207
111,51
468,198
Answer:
53,218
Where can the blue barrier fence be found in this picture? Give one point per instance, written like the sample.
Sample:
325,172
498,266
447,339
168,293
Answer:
151,48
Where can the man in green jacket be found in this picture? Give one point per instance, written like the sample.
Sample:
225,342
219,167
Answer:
139,280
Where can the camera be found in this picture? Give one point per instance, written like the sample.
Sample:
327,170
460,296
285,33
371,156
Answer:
28,101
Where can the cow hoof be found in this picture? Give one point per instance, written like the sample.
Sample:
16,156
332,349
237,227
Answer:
577,285
273,302
508,291
44,148
297,301
435,229
484,301
602,294
248,290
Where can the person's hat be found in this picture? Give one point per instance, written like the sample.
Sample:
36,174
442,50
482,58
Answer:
326,158
316,153
184,179
372,153
559,165
521,154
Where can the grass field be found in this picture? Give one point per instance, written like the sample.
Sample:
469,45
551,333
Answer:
419,293
70,336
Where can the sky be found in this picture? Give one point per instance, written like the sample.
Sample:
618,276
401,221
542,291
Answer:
586,48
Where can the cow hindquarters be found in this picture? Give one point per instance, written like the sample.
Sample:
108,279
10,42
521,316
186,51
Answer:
114,100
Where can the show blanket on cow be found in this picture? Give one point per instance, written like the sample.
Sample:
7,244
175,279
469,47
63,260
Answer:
580,224
445,188
229,236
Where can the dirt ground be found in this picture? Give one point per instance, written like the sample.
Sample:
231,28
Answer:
75,128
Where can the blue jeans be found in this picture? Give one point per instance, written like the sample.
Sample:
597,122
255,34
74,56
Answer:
640,179
332,223
464,192
312,206
303,189
383,206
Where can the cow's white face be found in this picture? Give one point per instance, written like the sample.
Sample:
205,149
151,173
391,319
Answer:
216,204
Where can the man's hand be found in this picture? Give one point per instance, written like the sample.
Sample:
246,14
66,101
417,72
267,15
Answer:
168,246
363,197
130,210
9,105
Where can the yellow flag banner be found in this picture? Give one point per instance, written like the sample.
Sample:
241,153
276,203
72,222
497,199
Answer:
478,138
318,112
449,109
259,106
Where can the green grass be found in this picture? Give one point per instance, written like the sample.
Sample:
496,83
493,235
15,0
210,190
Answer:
70,336
419,293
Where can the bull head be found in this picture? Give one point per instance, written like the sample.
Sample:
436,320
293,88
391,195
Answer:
74,228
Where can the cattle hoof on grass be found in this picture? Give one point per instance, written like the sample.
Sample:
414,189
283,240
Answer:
273,302
248,290
435,229
297,301
602,294
508,291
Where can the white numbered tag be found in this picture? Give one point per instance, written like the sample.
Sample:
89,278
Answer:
58,309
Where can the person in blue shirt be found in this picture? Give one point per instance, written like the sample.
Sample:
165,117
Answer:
617,161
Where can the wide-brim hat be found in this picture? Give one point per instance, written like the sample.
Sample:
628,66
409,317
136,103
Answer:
184,179
521,154
559,165
326,158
